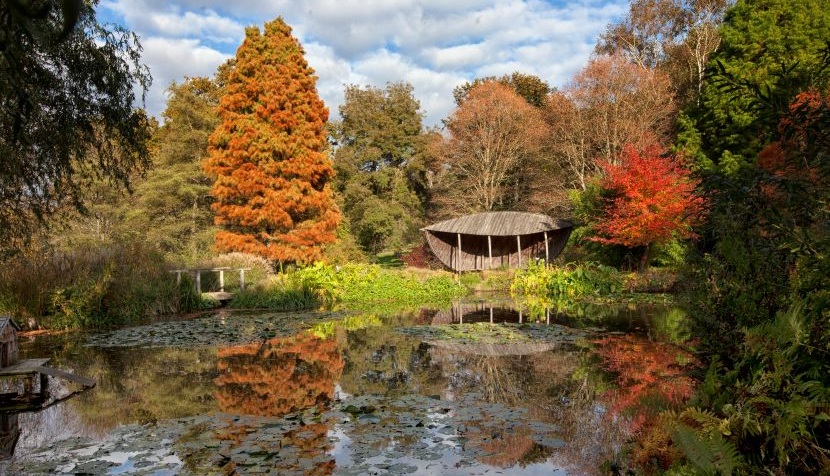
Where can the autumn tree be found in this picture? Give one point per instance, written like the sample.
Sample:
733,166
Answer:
532,88
649,198
611,102
68,110
674,36
379,164
269,153
494,138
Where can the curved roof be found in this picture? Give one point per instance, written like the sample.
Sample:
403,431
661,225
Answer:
500,224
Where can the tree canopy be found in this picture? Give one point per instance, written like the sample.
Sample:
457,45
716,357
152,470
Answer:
269,153
531,88
769,47
651,198
379,164
171,206
494,137
68,111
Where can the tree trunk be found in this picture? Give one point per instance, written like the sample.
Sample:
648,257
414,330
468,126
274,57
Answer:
644,258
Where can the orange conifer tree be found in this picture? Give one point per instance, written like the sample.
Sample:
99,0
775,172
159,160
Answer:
268,155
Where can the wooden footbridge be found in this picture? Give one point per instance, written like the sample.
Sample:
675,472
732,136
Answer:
196,273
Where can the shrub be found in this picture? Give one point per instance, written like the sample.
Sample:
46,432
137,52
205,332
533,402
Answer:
570,280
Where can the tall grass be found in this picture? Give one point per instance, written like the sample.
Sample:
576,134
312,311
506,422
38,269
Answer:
90,287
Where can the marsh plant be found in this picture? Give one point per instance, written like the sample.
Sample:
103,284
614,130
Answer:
570,280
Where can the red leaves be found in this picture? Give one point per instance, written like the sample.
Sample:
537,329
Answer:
653,199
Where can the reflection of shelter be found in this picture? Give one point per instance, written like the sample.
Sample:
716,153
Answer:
481,311
497,239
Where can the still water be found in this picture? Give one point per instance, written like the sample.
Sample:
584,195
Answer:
483,387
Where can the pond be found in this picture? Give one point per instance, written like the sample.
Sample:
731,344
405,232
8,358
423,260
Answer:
478,388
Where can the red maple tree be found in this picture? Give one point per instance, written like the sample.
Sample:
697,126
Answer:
269,154
651,199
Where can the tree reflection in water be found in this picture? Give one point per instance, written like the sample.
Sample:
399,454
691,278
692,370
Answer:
276,378
651,377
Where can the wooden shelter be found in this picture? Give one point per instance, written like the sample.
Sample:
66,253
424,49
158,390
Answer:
497,239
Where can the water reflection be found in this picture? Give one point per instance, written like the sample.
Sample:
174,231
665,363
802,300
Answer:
278,376
357,395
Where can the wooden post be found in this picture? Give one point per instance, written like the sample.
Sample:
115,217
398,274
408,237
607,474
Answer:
199,281
241,279
491,314
547,253
178,277
520,316
490,250
221,280
519,243
458,257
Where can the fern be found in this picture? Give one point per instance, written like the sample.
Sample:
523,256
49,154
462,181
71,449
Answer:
709,452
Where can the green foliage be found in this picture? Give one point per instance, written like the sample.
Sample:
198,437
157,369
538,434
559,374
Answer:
68,113
769,46
379,163
356,285
531,88
759,293
571,280
171,205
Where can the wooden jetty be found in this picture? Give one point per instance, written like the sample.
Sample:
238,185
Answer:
30,371
220,295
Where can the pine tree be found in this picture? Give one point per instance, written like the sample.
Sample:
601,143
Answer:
268,154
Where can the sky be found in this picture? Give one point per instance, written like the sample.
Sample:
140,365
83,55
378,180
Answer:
433,44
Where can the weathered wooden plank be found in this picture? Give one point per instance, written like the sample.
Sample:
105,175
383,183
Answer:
86,382
23,367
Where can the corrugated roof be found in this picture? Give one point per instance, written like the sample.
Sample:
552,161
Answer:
500,224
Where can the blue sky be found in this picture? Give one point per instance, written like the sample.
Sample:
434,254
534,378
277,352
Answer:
433,44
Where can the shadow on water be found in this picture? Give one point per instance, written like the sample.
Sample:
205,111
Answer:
421,392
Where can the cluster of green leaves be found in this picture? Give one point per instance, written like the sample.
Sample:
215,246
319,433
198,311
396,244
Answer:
362,284
357,285
571,280
380,165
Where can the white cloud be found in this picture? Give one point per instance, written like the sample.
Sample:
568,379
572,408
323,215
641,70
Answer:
172,60
434,44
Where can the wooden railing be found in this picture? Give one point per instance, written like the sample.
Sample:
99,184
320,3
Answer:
197,274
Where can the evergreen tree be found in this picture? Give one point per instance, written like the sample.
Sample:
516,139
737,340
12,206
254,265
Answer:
769,46
268,154
171,207
379,165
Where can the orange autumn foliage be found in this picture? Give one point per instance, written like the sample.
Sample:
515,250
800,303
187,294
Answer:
269,154
279,376
650,376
